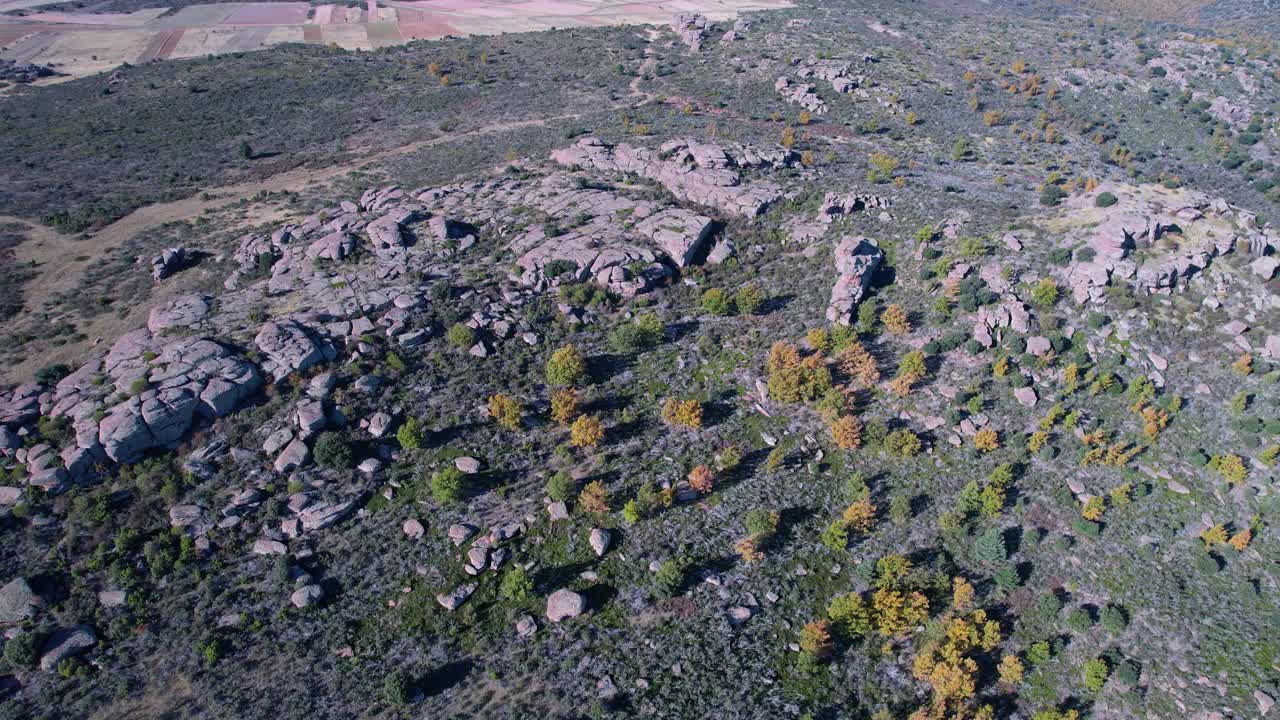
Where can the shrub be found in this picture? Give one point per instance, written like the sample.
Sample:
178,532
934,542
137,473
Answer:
860,516
1105,199
793,379
847,432
1095,674
22,651
815,640
1051,195
1079,620
761,523
702,479
849,615
1114,619
1232,468
1045,293
334,452
642,333
682,413
903,443
586,432
1010,670
561,486
989,549
516,587
397,688
895,319
50,375
717,302
836,536
749,299
566,367
505,410
564,405
986,440
670,576
594,498
411,434
447,485
461,336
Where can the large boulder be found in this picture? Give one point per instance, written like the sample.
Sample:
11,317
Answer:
17,601
565,603
857,260
66,643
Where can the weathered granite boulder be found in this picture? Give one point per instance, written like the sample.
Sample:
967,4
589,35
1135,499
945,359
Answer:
564,604
17,601
292,347
66,643
857,260
169,261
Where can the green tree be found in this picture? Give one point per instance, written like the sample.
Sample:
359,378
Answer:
411,434
717,302
749,299
447,485
566,367
334,452
516,587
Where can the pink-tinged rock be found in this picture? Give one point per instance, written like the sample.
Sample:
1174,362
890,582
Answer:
1026,396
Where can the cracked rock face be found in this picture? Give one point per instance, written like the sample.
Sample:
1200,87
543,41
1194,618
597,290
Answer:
292,347
857,260
694,172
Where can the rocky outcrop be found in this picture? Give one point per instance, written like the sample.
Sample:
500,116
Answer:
291,346
801,94
168,262
1011,313
694,172
182,312
691,28
856,259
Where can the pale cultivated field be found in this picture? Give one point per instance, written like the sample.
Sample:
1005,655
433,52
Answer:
80,44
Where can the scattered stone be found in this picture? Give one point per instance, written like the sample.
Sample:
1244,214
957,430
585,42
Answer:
600,540
558,511
460,533
526,626
452,600
1026,396
413,529
307,596
467,464
264,546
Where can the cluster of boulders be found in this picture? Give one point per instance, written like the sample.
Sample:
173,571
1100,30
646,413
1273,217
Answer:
801,94
695,172
740,28
837,72
856,260
1179,232
692,29
169,261
1009,313
484,553
20,604
807,229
